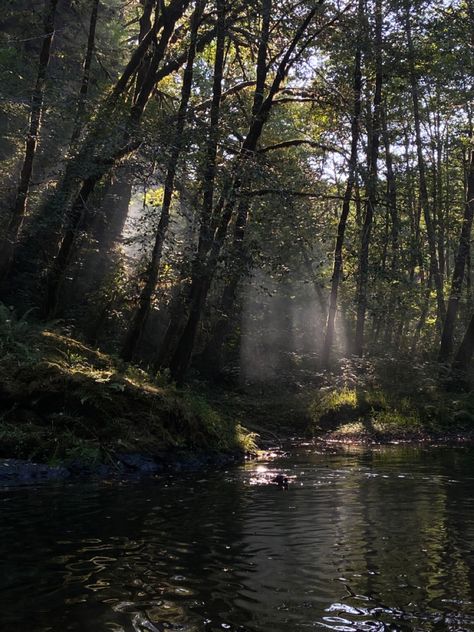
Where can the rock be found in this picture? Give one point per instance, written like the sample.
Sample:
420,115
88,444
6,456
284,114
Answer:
139,463
19,471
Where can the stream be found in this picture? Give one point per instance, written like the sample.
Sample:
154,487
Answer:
363,539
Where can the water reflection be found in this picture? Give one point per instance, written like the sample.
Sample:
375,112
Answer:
367,540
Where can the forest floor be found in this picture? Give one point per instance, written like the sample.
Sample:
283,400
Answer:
62,402
365,415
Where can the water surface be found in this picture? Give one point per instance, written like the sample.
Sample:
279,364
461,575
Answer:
366,540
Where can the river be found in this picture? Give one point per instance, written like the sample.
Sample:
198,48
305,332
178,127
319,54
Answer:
364,539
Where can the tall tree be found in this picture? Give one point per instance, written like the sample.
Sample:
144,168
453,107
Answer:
202,279
237,267
139,319
462,254
7,246
346,205
86,72
371,184
424,199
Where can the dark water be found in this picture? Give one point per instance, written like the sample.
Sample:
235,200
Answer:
369,540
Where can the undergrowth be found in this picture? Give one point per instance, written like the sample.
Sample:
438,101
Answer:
61,400
384,398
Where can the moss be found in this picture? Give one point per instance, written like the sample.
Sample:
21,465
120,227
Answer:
334,406
60,399
381,415
271,413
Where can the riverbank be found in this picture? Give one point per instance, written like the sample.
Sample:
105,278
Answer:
63,403
69,410
400,410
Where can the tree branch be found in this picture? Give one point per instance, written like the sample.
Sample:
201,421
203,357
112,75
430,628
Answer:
300,141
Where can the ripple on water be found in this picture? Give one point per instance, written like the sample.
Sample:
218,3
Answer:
375,540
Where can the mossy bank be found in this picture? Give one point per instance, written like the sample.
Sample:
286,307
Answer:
61,401
382,401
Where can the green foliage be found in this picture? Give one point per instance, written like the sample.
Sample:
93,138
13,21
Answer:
276,257
334,403
73,402
16,336
385,399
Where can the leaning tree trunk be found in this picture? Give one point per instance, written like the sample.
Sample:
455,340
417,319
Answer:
7,247
140,317
145,26
101,138
341,228
103,165
107,225
202,280
371,196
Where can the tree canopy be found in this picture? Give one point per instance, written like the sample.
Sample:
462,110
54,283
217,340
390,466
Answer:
241,187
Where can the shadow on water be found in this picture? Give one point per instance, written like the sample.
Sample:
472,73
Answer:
375,539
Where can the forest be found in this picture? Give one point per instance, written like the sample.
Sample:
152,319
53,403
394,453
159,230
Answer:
242,203
236,315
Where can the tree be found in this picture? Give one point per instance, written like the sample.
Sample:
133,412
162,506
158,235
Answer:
204,273
459,268
151,276
17,215
352,174
371,185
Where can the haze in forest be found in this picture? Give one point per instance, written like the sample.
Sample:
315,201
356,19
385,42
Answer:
243,190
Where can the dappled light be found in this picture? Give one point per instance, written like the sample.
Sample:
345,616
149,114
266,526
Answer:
236,315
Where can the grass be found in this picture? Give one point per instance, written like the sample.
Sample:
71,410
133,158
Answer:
61,400
377,414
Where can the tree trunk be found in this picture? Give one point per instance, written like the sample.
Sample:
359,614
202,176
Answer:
459,269
18,211
395,229
81,104
213,350
145,26
371,193
140,317
341,228
422,320
435,273
463,357
56,272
